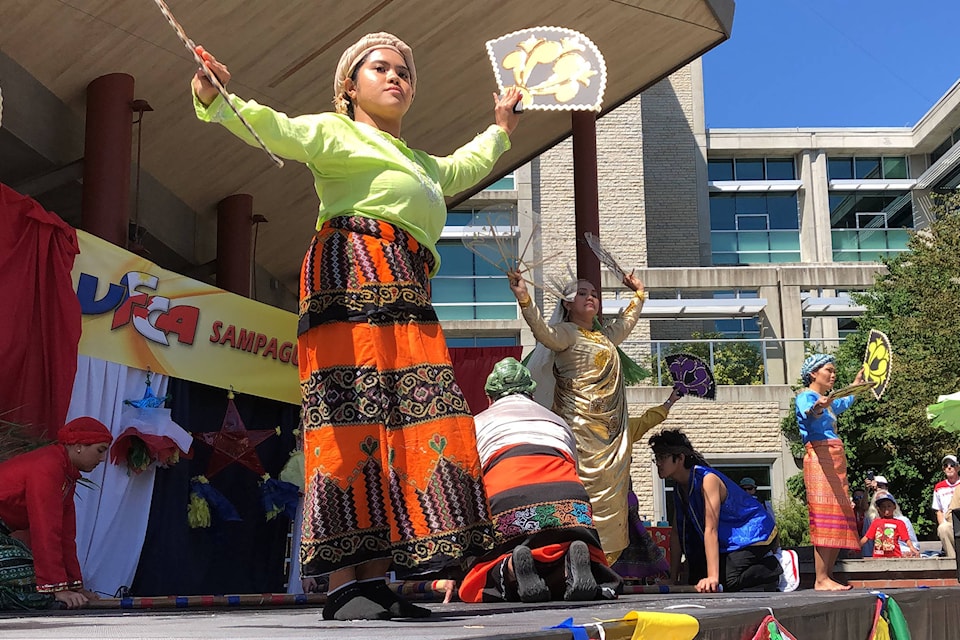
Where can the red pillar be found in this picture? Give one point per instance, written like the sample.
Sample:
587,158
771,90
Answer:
234,242
586,193
105,210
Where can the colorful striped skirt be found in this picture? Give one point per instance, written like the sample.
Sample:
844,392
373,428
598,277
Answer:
832,521
390,453
18,583
537,501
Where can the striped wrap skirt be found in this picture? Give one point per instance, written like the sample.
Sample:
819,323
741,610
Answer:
832,521
390,454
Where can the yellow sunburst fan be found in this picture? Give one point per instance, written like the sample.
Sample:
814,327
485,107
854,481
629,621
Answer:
877,362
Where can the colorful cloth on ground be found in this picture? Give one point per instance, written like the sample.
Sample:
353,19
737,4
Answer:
36,493
832,522
642,558
537,501
389,447
18,588
360,170
887,534
590,396
822,427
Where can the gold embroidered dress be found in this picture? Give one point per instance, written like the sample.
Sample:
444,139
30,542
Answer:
591,397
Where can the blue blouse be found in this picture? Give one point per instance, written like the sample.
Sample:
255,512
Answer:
821,427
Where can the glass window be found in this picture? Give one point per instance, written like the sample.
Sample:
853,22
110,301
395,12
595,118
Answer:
751,222
840,168
780,169
867,169
720,169
506,183
784,211
468,288
749,169
751,215
895,168
751,203
458,218
722,211
869,225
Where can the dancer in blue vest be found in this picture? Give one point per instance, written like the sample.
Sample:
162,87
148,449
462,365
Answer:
725,533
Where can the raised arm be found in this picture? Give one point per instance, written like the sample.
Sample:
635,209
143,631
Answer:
299,139
557,338
620,328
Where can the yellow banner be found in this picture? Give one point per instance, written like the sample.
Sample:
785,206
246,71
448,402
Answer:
140,315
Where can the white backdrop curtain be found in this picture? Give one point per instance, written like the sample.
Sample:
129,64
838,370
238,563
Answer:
111,520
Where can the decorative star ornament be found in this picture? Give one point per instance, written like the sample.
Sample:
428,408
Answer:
233,443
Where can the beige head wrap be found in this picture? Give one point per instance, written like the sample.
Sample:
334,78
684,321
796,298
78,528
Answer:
356,52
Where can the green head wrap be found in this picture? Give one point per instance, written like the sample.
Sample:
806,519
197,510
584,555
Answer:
509,377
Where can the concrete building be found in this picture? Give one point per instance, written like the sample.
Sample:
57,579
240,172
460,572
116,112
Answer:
755,234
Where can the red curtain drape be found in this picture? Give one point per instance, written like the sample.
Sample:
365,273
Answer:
40,320
472,365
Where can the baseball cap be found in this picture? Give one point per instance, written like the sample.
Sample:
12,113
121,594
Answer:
880,480
748,482
949,458
885,495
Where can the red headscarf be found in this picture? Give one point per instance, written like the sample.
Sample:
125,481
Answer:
84,430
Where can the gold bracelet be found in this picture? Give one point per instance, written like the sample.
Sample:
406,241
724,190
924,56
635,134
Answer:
526,302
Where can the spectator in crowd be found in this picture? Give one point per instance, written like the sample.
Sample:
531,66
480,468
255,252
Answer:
860,505
888,533
749,485
943,493
873,513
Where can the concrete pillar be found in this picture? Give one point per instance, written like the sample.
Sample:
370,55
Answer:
771,326
586,192
820,187
234,243
105,210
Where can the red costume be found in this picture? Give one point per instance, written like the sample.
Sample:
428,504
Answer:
36,493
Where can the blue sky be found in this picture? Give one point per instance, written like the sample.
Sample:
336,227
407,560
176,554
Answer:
832,63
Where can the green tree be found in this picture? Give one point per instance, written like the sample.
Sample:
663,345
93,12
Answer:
917,304
733,362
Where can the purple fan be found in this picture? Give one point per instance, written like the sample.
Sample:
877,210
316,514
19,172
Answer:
691,375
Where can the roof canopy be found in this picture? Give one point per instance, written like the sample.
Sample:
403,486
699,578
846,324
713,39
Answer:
284,54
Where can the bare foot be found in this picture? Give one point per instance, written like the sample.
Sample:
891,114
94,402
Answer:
832,585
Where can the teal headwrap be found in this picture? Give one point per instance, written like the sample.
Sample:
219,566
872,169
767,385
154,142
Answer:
812,363
509,377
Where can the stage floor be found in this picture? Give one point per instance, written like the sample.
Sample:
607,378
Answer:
933,614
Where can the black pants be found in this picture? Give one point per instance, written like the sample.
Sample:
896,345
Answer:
741,569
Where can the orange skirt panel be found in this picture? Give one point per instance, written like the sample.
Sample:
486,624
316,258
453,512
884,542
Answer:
390,455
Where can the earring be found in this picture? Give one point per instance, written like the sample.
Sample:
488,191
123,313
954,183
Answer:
78,449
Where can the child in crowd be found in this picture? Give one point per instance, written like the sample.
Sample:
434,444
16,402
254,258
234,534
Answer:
886,532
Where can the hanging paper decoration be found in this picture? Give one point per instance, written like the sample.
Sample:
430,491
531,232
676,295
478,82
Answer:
691,375
877,362
151,436
278,496
233,443
556,69
771,629
206,502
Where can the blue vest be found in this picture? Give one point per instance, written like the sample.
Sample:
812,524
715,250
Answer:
743,519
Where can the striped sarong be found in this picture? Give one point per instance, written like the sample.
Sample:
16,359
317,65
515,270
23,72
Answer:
18,583
538,501
832,521
390,452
